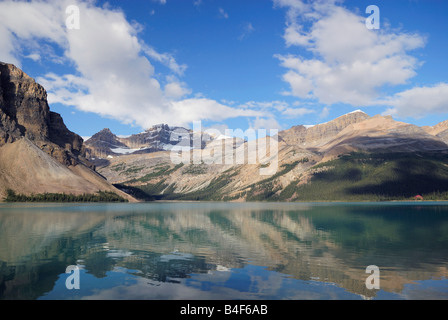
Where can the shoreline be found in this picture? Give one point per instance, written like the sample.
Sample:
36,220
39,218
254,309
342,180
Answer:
238,202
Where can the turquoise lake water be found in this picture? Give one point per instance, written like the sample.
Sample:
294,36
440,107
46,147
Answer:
207,251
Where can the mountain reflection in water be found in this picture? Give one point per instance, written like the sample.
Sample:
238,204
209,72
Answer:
224,250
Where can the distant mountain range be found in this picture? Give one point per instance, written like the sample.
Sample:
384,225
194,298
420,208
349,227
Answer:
158,138
354,157
336,160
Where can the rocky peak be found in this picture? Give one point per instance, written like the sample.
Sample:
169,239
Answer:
24,113
104,135
159,137
441,131
437,129
317,135
335,126
105,131
160,126
24,102
101,144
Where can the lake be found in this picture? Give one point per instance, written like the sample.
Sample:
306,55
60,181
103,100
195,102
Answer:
208,251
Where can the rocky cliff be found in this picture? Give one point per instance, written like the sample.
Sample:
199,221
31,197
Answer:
100,145
440,130
24,112
37,152
23,106
314,136
157,138
377,154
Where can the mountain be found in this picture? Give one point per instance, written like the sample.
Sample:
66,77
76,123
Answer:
162,137
24,113
38,154
353,157
100,145
440,130
315,136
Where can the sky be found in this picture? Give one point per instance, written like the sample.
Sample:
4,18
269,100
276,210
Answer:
237,64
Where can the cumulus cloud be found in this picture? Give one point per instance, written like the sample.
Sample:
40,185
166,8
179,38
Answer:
300,86
34,56
200,108
20,22
166,59
419,101
175,89
113,73
350,63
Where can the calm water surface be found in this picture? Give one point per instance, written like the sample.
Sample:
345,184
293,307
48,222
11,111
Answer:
224,250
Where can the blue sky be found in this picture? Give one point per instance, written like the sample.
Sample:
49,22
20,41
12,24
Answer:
230,63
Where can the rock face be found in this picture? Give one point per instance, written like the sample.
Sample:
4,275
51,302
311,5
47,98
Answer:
302,153
22,103
100,145
359,131
158,138
383,134
37,152
439,130
322,133
443,136
24,112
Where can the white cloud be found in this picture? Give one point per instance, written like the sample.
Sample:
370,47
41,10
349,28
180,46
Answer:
166,59
299,11
325,113
265,106
6,43
351,63
175,89
265,123
297,112
295,36
34,56
419,101
190,110
20,22
113,75
300,86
